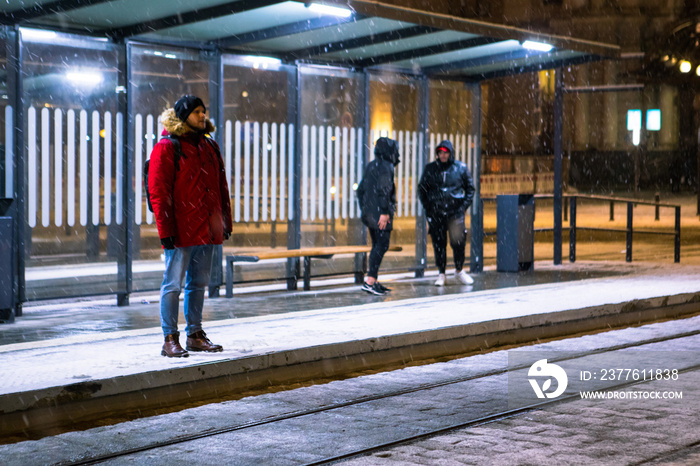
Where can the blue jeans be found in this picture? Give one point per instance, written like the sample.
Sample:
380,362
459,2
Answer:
194,264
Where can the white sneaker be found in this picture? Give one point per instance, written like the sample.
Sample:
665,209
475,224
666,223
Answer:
441,280
464,277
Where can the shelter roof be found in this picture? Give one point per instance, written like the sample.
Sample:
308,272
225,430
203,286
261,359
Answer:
374,36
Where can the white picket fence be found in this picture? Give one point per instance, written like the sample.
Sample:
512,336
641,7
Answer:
75,162
87,139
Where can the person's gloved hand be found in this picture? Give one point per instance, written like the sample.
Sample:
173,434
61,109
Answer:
227,235
168,243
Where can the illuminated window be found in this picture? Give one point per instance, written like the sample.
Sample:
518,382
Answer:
653,119
634,120
634,124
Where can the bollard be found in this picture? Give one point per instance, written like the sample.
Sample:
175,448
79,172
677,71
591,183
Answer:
565,209
677,236
612,211
630,209
572,230
657,199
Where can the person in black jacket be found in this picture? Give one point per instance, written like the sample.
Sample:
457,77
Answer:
377,196
446,191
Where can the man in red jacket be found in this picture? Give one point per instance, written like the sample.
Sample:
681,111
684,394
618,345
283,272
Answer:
192,207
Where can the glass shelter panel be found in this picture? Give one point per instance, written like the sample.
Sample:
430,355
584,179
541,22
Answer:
394,100
159,76
450,119
72,155
257,148
331,153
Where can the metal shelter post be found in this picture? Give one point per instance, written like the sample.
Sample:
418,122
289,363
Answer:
423,131
476,255
558,115
294,220
216,112
359,230
125,231
14,86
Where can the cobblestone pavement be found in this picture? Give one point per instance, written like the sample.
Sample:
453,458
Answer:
585,432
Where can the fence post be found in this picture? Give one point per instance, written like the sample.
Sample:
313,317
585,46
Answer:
677,236
572,230
630,210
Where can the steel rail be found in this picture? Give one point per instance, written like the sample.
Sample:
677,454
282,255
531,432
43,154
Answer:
483,421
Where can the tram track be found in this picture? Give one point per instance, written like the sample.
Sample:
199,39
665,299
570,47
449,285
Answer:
487,420
182,439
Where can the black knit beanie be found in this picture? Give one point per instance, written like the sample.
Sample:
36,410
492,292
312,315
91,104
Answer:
186,105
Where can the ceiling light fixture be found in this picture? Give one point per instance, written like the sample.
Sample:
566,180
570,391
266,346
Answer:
329,10
37,34
539,46
263,62
85,77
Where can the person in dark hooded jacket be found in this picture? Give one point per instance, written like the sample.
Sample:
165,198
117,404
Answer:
446,191
377,197
192,208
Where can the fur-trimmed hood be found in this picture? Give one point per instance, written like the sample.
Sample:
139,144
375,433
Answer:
173,125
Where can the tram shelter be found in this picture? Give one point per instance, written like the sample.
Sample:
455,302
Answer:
85,80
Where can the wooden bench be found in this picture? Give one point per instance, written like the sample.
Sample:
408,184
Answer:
306,253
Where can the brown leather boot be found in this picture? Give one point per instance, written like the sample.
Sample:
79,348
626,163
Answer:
198,341
172,348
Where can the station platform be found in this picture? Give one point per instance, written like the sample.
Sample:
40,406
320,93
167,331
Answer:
73,361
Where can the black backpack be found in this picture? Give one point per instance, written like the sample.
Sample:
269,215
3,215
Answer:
176,160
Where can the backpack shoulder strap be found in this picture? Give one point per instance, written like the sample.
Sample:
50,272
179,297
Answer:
178,150
214,146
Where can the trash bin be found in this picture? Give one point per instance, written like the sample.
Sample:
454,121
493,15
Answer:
7,297
515,235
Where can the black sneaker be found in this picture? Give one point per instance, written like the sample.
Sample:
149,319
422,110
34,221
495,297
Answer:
383,288
373,289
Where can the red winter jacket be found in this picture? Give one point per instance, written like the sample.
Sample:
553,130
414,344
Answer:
193,203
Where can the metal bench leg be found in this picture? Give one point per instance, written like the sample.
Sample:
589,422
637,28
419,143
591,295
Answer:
292,273
122,299
229,277
307,273
360,267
